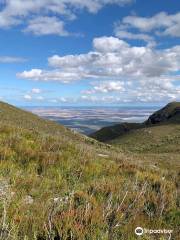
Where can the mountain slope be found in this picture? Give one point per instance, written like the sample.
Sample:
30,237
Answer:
156,139
112,132
56,185
16,117
170,114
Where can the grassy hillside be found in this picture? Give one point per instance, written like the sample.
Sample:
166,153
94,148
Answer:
157,139
55,184
158,144
169,116
112,132
16,117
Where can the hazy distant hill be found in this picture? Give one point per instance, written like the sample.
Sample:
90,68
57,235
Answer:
59,185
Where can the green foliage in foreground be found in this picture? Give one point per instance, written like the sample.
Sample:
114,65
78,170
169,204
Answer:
56,184
51,188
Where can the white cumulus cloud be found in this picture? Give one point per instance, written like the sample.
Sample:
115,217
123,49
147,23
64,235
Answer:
46,26
35,13
109,62
27,97
106,87
136,73
163,23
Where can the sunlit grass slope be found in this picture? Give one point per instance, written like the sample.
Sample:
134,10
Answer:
55,184
156,139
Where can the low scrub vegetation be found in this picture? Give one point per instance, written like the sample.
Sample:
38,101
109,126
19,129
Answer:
59,185
54,189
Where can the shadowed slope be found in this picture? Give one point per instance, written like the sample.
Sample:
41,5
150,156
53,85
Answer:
170,114
112,132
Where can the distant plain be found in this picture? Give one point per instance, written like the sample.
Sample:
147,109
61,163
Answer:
90,119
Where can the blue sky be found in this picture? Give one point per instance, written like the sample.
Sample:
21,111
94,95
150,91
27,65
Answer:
93,52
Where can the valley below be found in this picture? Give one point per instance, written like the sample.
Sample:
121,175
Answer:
87,120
